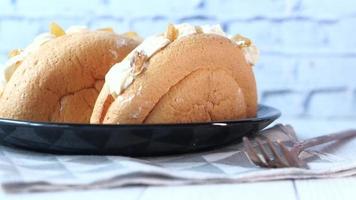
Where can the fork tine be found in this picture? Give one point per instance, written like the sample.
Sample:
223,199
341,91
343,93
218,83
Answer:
252,154
276,155
264,152
289,131
291,158
287,154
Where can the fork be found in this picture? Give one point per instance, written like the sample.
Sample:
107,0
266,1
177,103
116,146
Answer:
288,157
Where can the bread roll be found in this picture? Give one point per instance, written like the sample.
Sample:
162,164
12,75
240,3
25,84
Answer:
197,77
60,81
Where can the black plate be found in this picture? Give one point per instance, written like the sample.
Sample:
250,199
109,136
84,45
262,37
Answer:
130,140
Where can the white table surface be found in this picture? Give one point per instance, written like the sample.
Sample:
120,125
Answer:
301,189
344,188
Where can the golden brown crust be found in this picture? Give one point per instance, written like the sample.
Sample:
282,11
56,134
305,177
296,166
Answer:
201,77
219,98
60,82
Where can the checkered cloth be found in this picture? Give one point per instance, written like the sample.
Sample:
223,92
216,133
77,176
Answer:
25,171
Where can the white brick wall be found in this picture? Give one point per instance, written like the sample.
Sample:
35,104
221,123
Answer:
308,62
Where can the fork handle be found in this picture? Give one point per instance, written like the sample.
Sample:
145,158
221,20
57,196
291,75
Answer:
325,139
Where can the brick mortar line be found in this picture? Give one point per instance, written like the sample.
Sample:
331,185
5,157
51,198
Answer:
333,54
31,18
257,18
288,18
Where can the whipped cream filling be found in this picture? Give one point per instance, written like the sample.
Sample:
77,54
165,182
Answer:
185,30
213,29
77,29
122,74
11,65
251,53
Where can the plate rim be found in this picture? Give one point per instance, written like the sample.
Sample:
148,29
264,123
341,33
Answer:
275,114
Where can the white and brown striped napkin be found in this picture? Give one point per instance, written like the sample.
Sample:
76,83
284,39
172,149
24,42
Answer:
24,171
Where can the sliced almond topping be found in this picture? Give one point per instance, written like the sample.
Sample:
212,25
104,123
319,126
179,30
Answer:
130,34
241,40
199,30
133,35
137,62
14,52
56,30
171,33
107,29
